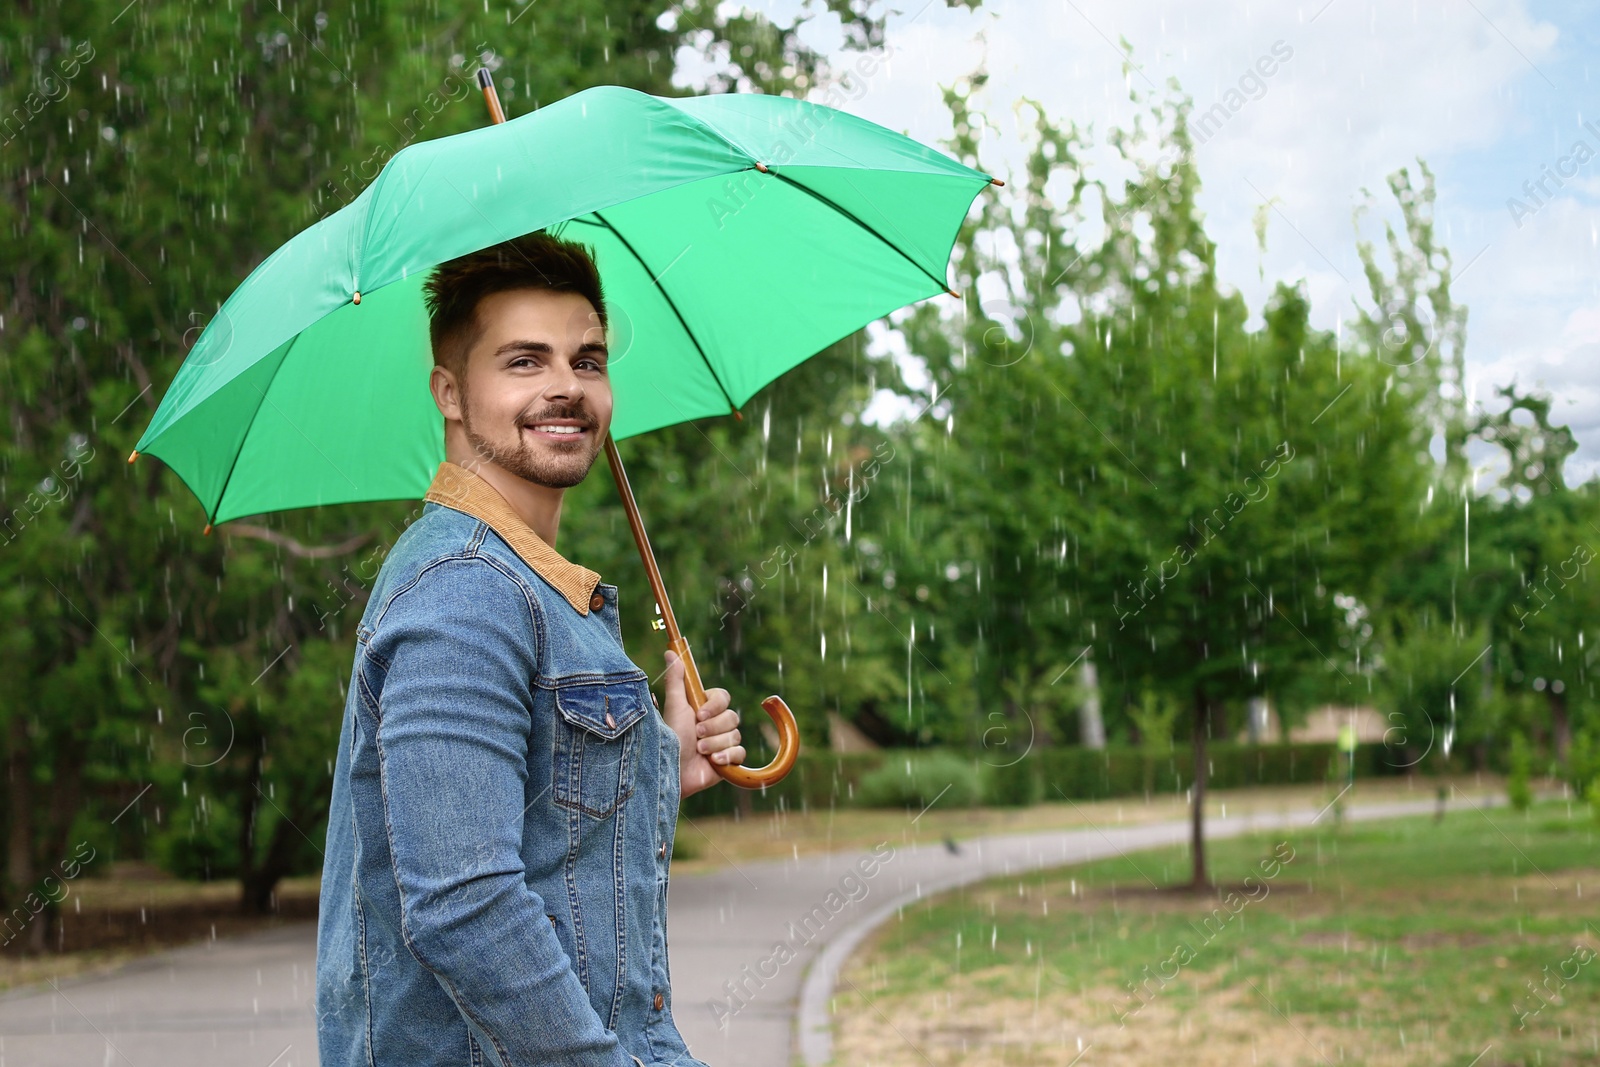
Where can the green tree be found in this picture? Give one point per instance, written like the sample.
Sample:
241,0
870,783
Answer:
1497,577
153,155
1147,475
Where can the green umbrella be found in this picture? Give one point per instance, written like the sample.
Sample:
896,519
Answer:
737,235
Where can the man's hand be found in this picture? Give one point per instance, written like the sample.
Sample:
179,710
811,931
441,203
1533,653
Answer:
707,738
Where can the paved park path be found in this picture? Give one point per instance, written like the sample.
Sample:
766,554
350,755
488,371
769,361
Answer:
740,999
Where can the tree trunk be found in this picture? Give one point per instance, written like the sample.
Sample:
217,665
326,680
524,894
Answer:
1260,720
65,800
248,818
1561,724
20,873
1202,727
255,892
256,887
1091,726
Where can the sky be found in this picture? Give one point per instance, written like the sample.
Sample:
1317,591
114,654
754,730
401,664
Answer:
1491,94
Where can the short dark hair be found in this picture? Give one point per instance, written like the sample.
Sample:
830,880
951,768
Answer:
537,260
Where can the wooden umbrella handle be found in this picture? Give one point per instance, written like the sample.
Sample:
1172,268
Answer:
776,709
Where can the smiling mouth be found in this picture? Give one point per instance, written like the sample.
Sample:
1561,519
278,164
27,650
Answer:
557,431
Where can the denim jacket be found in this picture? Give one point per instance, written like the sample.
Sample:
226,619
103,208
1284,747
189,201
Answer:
494,889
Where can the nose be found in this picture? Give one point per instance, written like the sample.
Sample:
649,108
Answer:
563,383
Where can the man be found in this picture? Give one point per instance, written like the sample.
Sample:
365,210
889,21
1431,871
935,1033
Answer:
495,882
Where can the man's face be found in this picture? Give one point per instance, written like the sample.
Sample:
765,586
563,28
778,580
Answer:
537,396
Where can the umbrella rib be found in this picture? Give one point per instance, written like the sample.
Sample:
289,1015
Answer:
212,518
847,213
662,289
262,399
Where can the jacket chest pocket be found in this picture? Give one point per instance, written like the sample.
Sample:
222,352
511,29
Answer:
596,744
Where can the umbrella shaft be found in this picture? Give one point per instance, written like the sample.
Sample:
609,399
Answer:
696,691
675,639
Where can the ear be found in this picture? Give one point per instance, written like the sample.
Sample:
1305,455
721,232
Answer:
446,393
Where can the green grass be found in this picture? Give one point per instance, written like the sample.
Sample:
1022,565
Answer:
1371,931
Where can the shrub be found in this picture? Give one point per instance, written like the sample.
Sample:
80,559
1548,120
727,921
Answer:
1517,790
1014,786
200,840
917,780
1583,762
683,847
820,779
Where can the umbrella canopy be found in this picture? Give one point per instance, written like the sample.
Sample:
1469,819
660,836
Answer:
736,235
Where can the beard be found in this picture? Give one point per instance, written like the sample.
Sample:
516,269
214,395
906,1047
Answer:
560,467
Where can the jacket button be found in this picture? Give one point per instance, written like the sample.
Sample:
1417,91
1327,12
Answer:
597,602
663,851
658,1002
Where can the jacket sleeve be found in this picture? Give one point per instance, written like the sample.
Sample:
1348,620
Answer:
454,721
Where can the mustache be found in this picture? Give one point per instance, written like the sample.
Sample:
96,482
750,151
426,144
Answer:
577,414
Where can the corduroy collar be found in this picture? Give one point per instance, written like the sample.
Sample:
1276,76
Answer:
456,487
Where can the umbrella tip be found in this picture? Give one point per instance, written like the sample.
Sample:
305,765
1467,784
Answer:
996,181
207,531
762,167
737,415
133,455
952,292
357,298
